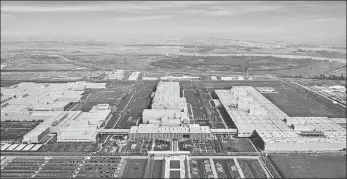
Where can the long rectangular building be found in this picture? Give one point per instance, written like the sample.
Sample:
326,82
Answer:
154,131
168,108
254,115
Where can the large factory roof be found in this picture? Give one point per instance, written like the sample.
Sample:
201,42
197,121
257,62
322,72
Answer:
39,96
273,126
167,96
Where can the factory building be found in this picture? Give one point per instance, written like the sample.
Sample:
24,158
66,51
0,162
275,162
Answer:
24,98
168,108
81,126
167,96
154,131
43,129
277,130
164,115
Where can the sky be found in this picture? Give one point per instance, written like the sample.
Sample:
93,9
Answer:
299,22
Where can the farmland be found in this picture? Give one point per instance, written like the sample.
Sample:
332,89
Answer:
316,69
232,63
310,165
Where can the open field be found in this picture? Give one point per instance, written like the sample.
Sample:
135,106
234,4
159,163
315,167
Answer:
235,63
310,165
324,67
135,168
297,103
236,145
320,82
8,83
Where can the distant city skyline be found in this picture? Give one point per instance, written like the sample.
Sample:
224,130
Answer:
298,22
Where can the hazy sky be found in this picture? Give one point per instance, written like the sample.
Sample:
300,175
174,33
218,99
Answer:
315,22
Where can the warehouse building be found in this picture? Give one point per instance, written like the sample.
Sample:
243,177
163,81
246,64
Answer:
277,130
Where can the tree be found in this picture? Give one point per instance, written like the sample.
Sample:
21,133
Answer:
341,77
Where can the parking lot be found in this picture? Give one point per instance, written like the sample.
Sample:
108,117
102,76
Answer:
201,168
138,146
226,168
162,145
21,167
95,167
69,147
13,131
200,147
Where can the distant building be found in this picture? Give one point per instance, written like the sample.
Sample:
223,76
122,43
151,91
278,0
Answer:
230,78
134,76
180,78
